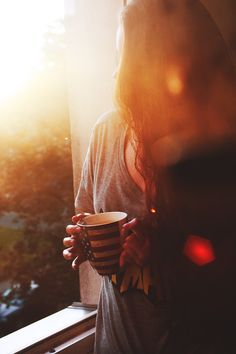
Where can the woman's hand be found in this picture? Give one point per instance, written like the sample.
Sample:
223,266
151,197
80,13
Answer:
136,246
74,249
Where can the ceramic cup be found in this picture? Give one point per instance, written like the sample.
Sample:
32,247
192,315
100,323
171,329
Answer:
102,240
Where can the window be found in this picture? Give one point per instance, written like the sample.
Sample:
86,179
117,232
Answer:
67,331
91,56
36,200
36,182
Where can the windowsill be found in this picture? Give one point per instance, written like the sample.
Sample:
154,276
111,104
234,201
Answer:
57,333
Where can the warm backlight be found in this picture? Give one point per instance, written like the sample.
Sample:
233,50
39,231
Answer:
199,250
153,210
174,82
22,27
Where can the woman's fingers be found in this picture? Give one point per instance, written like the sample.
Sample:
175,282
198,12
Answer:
78,217
133,249
133,244
74,249
73,229
70,253
136,226
69,242
76,255
125,259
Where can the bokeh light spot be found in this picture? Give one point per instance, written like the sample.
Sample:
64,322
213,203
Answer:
199,250
174,83
153,211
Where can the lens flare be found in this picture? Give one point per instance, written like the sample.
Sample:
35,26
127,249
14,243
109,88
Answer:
199,250
153,211
174,83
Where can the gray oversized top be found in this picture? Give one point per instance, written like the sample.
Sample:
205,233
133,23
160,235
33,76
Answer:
127,321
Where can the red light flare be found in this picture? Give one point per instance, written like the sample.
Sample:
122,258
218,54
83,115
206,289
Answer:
199,250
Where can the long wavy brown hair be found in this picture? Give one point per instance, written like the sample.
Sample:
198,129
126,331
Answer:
175,79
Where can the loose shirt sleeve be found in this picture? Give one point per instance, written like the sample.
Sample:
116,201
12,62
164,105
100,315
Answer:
84,198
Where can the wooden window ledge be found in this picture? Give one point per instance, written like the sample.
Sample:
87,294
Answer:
67,331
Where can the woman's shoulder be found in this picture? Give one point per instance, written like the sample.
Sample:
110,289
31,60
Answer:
109,121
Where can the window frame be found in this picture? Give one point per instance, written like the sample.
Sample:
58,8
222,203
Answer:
76,333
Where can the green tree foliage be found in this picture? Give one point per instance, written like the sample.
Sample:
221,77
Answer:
36,181
38,187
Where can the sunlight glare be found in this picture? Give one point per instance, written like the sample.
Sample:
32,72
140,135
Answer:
22,27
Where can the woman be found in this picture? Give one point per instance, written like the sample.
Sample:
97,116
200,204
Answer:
160,99
128,320
176,89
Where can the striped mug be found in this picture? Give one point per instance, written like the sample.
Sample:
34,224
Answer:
102,240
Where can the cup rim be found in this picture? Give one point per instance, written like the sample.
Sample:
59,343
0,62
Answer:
123,215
